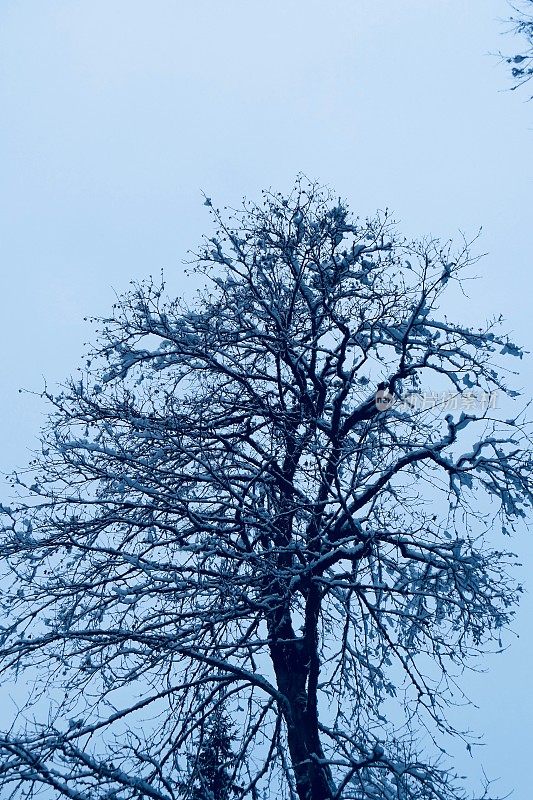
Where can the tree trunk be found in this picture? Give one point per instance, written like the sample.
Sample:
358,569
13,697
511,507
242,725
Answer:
296,664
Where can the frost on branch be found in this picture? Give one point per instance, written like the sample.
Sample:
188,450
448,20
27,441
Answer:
521,64
222,517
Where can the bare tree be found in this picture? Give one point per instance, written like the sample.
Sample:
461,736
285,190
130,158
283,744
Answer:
260,503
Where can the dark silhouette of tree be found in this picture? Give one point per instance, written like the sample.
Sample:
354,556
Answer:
290,496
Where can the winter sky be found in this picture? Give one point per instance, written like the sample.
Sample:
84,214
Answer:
117,114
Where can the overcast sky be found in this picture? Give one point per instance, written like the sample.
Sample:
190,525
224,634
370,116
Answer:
117,114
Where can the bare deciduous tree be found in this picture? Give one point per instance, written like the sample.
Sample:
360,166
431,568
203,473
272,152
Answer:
222,515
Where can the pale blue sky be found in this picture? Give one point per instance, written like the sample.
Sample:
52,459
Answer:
117,114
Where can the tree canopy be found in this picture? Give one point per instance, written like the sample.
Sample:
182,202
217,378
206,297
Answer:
223,516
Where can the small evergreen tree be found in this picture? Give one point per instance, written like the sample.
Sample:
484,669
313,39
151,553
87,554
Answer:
211,777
